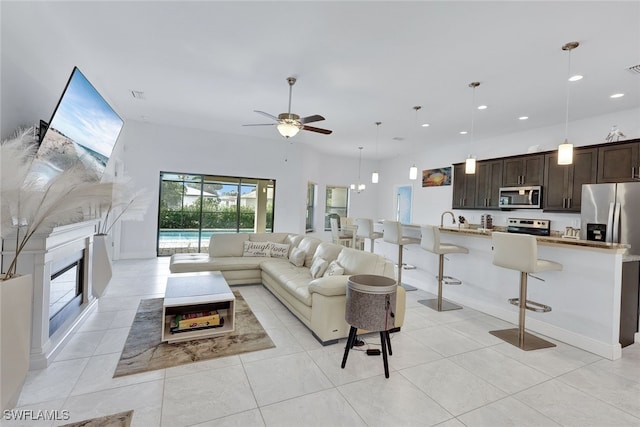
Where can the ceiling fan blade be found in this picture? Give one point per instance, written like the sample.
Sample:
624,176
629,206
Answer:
261,124
319,130
311,119
271,116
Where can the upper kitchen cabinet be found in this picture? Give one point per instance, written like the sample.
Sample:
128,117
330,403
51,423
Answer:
523,170
464,188
619,162
488,183
562,191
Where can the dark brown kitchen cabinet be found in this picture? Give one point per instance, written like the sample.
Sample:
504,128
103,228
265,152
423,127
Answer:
523,170
562,190
619,162
488,183
464,188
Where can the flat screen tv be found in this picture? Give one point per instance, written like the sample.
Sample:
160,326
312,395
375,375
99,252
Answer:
83,130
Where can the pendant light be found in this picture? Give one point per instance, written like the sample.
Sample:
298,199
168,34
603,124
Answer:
359,187
413,170
470,163
374,175
565,150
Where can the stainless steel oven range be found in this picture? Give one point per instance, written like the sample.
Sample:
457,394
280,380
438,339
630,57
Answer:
537,227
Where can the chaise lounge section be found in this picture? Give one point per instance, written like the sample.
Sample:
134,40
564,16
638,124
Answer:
307,275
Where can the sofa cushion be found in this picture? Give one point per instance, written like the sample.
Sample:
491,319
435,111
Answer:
329,285
280,250
227,244
309,245
361,262
294,239
327,251
294,279
296,257
268,237
318,267
262,249
333,269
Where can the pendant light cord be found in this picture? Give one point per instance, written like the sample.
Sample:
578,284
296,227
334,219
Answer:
566,118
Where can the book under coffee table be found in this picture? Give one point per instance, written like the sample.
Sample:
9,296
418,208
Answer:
197,292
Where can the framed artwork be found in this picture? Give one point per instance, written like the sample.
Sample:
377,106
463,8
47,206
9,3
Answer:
436,177
403,201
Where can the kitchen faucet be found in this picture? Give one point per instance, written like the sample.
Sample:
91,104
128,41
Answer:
453,218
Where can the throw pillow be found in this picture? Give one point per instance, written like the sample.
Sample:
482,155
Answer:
280,250
334,269
318,267
296,257
256,248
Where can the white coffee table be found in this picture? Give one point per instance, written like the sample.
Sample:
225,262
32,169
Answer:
201,291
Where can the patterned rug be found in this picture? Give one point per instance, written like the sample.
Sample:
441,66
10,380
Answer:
143,351
122,419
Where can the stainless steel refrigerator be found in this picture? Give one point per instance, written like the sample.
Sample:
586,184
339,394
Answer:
611,213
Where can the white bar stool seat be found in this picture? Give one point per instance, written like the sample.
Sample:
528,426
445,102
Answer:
365,230
431,242
520,252
392,233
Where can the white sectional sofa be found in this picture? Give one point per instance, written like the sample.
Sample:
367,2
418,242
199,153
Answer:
319,302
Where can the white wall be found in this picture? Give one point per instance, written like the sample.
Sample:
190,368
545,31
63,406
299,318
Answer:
148,149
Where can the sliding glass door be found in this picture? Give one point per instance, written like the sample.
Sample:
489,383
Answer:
193,207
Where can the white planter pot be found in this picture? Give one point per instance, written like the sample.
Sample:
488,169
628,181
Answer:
102,270
16,295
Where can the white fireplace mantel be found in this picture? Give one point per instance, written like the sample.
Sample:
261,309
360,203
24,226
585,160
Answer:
41,252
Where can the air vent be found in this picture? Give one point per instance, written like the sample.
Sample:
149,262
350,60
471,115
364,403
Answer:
397,138
137,94
634,69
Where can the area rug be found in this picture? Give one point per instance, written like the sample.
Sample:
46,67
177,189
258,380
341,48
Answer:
143,351
122,419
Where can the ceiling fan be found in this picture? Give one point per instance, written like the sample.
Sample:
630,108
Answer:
289,124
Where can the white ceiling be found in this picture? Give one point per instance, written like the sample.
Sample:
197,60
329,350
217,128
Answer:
209,64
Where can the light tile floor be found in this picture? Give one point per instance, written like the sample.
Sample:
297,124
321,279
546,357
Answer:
446,370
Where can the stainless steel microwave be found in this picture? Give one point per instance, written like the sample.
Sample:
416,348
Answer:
521,197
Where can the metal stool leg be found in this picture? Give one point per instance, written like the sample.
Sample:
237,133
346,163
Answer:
383,341
405,286
518,336
350,341
439,304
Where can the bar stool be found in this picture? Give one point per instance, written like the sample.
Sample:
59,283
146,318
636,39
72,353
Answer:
431,242
392,233
365,230
520,252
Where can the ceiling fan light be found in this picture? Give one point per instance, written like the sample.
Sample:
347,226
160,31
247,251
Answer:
374,177
288,129
565,153
413,173
361,187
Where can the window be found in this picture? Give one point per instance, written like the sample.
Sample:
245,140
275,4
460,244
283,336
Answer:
337,203
193,207
311,206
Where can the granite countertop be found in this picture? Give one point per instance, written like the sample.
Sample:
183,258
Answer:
552,240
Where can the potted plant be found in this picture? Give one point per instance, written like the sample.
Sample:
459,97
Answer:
29,205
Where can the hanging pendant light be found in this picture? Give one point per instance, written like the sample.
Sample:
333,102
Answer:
565,150
413,170
359,187
470,163
374,175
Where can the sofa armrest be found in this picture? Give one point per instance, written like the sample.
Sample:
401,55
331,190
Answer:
330,285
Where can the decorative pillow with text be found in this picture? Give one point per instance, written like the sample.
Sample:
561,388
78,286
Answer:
256,248
334,269
280,250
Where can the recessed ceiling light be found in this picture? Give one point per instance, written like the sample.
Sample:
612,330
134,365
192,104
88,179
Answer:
617,95
463,132
482,107
575,78
425,125
523,118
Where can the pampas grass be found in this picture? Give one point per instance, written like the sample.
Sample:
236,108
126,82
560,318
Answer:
32,205
127,204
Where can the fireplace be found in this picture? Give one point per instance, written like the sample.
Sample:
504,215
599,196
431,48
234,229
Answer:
66,286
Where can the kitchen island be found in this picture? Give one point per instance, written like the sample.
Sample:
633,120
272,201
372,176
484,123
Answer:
585,296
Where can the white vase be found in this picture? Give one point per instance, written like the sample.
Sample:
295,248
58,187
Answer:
102,270
16,295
